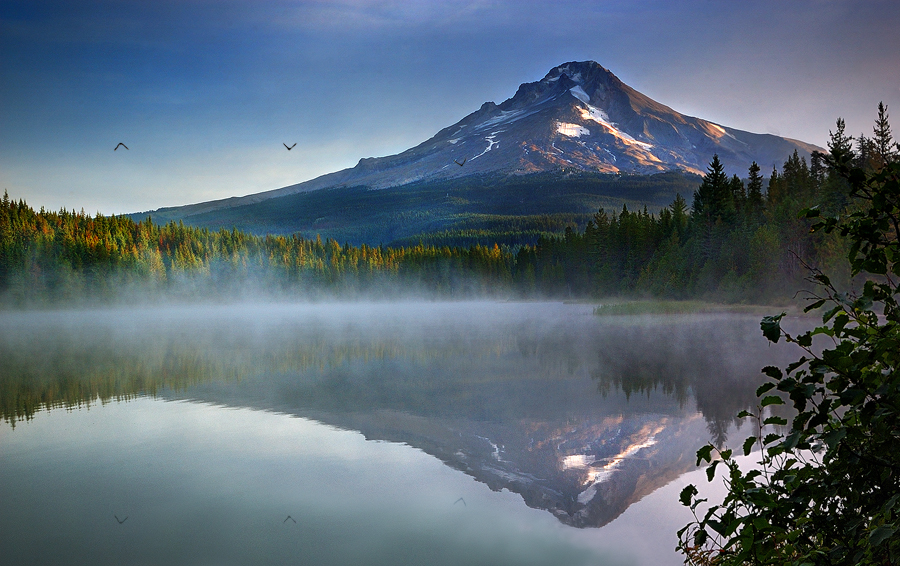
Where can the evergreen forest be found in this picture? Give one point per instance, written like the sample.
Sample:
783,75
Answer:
737,240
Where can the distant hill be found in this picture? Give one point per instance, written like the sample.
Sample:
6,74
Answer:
480,209
565,145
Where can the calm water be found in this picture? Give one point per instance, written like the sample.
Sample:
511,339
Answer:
432,433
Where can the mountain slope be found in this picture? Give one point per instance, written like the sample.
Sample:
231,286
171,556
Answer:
479,209
579,117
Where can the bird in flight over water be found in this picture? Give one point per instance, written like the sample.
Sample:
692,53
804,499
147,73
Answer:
460,499
122,144
291,518
289,148
117,518
460,164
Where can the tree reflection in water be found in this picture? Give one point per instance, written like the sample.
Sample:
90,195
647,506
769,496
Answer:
506,393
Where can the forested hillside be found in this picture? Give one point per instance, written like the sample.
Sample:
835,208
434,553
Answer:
478,209
739,241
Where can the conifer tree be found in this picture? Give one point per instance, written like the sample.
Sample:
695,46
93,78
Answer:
713,200
679,213
754,206
840,145
738,194
825,487
885,148
775,188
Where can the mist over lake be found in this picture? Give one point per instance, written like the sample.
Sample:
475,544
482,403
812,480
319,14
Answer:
362,433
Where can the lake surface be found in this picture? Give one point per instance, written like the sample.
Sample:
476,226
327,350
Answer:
411,433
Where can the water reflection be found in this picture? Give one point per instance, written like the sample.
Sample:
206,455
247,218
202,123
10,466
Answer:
580,415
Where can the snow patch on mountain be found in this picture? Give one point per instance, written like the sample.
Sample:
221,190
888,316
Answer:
599,116
723,132
567,70
579,93
506,117
572,130
491,143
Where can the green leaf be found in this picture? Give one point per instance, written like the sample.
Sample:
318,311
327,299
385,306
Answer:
771,400
775,421
711,470
771,437
748,445
700,537
771,327
704,453
792,439
767,386
772,372
814,305
881,534
687,494
830,313
835,436
811,212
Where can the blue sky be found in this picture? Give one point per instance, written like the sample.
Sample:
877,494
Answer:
205,92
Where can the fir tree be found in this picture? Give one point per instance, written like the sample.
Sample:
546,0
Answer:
754,206
840,145
713,200
885,147
775,188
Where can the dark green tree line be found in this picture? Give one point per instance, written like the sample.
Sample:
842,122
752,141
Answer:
827,482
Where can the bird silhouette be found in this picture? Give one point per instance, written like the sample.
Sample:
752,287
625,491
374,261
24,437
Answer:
460,499
291,518
460,164
289,148
117,518
122,144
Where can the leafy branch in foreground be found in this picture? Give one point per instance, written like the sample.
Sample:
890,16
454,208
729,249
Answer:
826,487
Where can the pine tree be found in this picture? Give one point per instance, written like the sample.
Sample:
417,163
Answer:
886,149
775,189
796,177
840,145
867,157
713,200
754,206
817,173
738,194
680,215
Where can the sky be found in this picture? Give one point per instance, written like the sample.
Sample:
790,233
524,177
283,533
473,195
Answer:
204,93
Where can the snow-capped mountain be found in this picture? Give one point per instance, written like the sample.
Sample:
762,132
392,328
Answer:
579,116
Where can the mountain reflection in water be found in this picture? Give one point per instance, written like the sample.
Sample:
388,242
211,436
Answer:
580,415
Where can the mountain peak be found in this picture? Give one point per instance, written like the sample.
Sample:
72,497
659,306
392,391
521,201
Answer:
580,116
576,71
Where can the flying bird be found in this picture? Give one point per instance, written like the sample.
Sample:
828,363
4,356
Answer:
460,499
289,148
460,164
289,517
117,518
117,147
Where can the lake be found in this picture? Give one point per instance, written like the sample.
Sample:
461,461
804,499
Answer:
388,433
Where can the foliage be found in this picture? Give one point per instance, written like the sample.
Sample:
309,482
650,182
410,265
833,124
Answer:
827,484
734,244
429,211
64,256
529,235
677,253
